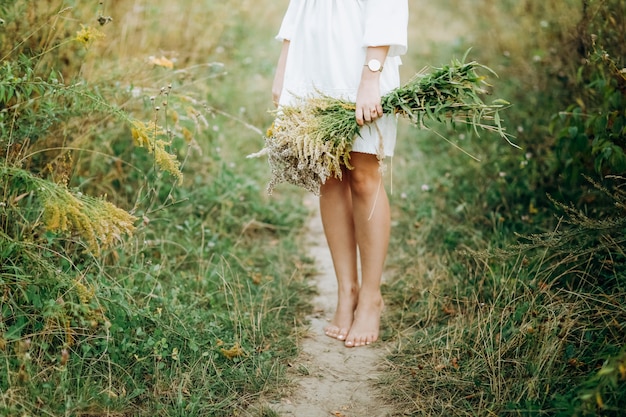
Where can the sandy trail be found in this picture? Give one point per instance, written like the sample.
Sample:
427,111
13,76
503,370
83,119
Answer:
331,380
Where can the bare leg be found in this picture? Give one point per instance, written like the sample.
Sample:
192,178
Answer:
336,211
372,225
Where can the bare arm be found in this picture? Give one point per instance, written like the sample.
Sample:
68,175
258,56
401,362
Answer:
368,107
279,77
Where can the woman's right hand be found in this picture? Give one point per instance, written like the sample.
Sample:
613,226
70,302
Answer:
368,105
279,77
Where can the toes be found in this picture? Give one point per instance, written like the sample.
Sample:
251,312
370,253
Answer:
355,342
332,331
336,333
361,341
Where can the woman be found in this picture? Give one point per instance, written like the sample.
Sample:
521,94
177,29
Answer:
350,49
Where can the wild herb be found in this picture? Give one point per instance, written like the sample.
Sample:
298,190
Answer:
311,140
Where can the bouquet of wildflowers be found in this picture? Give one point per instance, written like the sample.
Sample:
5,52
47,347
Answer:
311,140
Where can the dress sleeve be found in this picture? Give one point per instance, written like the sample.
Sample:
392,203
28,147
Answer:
289,20
386,23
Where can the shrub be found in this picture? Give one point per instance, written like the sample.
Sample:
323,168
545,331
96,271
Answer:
591,132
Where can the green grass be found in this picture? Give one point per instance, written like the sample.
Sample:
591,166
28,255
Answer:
507,287
196,312
486,322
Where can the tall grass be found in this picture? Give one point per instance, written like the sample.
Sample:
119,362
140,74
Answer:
118,110
508,275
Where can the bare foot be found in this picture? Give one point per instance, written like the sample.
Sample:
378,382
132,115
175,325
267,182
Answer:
344,315
365,327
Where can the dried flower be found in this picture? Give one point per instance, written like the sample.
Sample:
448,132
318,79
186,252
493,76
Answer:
311,140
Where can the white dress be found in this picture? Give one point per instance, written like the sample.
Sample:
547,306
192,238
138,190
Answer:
328,42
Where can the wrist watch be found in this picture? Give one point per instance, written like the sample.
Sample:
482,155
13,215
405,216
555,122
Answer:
374,65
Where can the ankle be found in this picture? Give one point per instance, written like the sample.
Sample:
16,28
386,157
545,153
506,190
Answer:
371,297
371,292
349,291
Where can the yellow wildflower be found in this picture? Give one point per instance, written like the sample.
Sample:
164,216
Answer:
187,135
87,35
175,117
99,223
146,136
235,352
167,161
85,295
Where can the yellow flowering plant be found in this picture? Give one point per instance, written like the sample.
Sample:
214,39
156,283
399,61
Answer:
98,222
88,35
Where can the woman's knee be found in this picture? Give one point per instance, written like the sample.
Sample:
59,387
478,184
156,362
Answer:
365,181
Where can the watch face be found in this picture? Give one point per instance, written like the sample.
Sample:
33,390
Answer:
374,65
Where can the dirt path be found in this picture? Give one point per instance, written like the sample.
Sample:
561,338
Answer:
332,380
